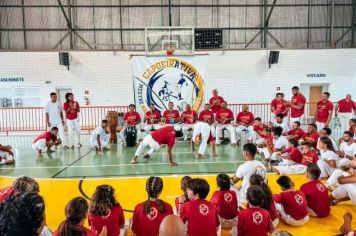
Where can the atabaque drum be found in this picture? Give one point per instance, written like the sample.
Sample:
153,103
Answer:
112,117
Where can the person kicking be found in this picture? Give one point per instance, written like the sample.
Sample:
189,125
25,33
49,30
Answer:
202,132
166,135
99,139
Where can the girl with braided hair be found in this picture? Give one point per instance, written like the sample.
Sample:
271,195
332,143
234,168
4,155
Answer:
149,214
104,210
328,160
179,201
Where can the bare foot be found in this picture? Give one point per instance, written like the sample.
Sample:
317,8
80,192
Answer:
133,161
346,226
65,147
10,162
200,156
173,163
39,154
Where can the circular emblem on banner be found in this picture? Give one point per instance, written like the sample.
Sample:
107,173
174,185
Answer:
170,80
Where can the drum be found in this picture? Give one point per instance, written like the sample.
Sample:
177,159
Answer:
112,117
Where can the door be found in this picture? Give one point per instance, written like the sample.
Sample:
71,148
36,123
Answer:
315,93
62,93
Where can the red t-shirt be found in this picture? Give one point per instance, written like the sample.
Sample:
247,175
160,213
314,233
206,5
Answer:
260,130
5,193
88,232
317,197
165,135
346,105
153,115
206,115
295,154
309,157
253,222
273,212
112,221
294,203
132,118
144,224
297,134
280,106
47,135
297,100
168,115
324,109
246,118
202,217
221,114
73,109
314,136
185,117
216,107
226,203
268,139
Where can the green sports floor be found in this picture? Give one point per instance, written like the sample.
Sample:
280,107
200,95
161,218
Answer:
83,162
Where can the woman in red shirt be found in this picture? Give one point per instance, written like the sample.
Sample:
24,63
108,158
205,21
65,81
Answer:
179,201
104,210
149,214
71,109
76,213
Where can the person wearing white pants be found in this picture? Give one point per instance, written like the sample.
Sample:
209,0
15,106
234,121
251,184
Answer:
6,155
324,111
207,116
151,118
224,117
328,158
346,190
99,139
72,109
46,141
188,119
202,132
54,117
244,120
344,110
131,118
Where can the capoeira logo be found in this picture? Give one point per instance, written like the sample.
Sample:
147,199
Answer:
257,217
298,199
152,214
260,171
227,197
203,209
169,80
320,187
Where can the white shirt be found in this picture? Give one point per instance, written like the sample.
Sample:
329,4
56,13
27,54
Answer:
54,112
281,142
328,155
349,150
283,125
98,131
333,142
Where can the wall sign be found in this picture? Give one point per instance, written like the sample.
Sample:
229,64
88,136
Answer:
12,79
316,75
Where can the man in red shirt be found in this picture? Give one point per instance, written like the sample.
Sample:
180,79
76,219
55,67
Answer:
224,116
188,118
244,121
166,135
324,112
215,101
344,110
296,105
170,116
200,215
131,118
207,116
290,204
45,141
311,136
280,106
296,132
316,193
152,117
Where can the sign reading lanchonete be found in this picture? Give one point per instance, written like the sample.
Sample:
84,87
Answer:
12,79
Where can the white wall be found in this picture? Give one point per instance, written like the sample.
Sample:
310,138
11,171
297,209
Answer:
240,76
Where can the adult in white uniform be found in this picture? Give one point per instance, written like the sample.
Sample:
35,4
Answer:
202,132
99,139
280,122
346,191
280,144
348,146
54,117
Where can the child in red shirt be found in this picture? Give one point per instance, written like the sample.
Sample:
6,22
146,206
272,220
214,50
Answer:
268,203
309,156
200,215
316,193
254,220
225,201
149,214
106,211
76,213
179,201
290,204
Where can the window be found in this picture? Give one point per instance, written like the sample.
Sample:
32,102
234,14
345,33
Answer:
20,97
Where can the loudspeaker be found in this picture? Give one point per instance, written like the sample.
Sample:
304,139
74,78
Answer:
64,58
208,38
273,57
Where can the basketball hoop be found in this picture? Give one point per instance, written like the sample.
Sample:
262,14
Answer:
169,52
169,46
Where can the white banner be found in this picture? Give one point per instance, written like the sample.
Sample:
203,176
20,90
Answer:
160,80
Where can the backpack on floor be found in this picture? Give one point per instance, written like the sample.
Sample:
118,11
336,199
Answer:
130,135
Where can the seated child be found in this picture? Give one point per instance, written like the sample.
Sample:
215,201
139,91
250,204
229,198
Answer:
328,158
254,220
291,205
316,193
226,202
183,198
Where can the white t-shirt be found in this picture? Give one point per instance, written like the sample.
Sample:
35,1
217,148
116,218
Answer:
98,131
281,142
333,142
244,173
54,112
349,150
328,155
283,125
